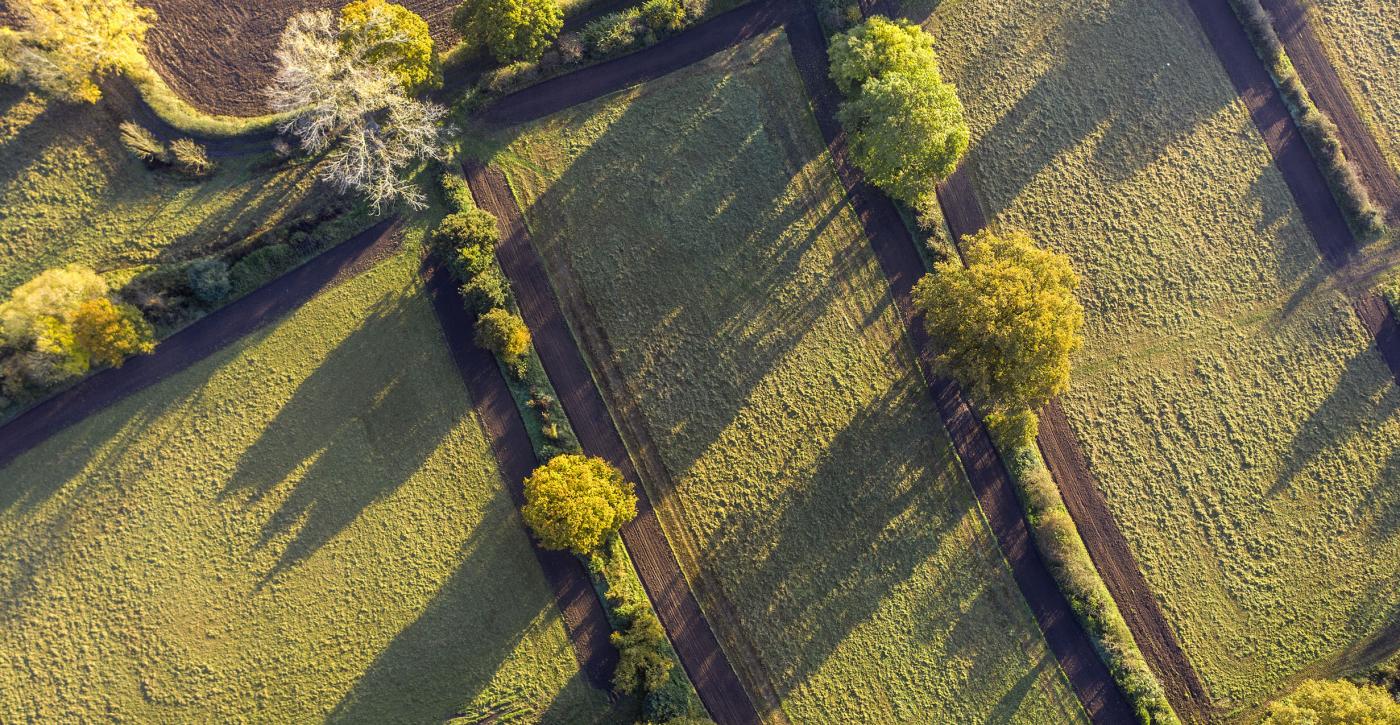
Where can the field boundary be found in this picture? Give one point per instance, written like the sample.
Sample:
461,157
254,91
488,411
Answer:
699,650
1294,28
200,339
582,611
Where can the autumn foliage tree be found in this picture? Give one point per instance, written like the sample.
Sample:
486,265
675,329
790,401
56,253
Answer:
110,333
1007,321
394,36
577,503
510,30
905,124
1335,702
65,47
504,334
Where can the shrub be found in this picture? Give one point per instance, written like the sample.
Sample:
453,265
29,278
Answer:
1008,322
486,291
26,372
208,280
142,143
570,48
469,262
111,333
577,503
471,228
258,267
664,16
670,701
644,663
504,334
510,30
190,158
456,190
611,33
511,77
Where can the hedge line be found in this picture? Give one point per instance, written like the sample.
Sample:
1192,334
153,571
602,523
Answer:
1321,135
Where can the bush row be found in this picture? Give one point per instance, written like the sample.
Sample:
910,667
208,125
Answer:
184,155
1318,130
1059,542
604,37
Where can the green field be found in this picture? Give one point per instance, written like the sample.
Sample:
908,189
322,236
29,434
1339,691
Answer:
810,490
308,525
69,192
1246,434
1363,39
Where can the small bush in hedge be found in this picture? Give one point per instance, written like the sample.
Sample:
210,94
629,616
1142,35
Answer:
670,701
258,267
471,228
611,33
455,188
485,291
504,334
664,16
208,280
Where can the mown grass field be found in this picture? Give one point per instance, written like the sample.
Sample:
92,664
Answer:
69,192
812,482
1363,39
308,525
1245,432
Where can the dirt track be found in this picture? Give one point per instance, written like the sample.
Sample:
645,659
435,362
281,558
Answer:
699,650
583,614
1316,71
198,341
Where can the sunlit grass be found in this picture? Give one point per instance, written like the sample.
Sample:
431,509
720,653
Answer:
307,525
1243,429
814,487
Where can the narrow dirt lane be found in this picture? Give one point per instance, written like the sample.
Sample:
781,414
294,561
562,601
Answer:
1316,71
584,618
903,266
699,650
198,341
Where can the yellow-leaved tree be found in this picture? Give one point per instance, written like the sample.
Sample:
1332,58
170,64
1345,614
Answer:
1007,321
1335,702
577,503
65,47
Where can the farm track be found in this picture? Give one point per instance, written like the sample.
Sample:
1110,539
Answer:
584,618
676,606
1327,91
199,340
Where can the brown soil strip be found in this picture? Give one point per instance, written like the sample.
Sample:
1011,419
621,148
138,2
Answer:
584,618
210,334
899,259
676,606
1379,321
1327,91
1113,557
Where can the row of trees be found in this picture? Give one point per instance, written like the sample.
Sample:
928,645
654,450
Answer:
62,323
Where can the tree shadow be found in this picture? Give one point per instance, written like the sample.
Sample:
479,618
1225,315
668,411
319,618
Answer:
349,436
446,658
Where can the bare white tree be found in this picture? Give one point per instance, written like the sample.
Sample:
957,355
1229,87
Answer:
344,98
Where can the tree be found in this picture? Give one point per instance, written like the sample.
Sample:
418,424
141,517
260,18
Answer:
510,29
876,47
395,36
55,294
504,334
577,503
1008,322
643,661
346,100
64,47
905,123
111,333
1336,702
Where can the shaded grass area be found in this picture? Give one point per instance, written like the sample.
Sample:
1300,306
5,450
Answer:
811,483
1363,39
1230,404
69,192
308,525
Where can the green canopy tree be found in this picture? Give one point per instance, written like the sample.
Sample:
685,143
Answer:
504,334
394,36
1335,702
905,124
574,502
1007,321
510,30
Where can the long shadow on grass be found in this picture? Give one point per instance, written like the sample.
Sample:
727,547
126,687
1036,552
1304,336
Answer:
436,666
351,434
